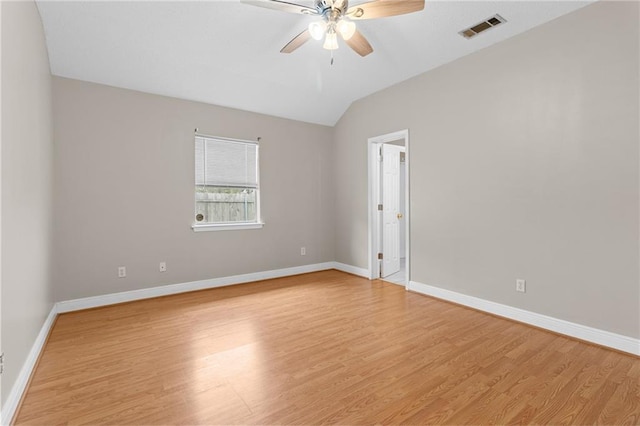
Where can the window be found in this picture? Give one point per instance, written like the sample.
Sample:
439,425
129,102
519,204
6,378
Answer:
227,192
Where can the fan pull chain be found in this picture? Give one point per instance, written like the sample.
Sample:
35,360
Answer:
331,57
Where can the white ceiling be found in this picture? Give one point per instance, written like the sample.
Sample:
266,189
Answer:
227,53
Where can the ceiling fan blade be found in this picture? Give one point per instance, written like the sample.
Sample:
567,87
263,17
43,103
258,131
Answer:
383,8
282,6
360,44
296,42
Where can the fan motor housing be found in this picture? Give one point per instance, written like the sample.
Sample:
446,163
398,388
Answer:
326,5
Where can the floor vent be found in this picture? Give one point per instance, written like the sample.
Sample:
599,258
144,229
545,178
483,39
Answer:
494,21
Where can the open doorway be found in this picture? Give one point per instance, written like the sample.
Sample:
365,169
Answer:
389,207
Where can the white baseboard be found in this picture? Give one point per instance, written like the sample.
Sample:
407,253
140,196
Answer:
18,388
582,332
351,269
146,293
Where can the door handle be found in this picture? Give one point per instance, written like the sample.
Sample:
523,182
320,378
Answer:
399,216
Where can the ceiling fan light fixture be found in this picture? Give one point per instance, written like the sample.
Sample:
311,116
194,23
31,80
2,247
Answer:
331,41
347,28
317,29
336,17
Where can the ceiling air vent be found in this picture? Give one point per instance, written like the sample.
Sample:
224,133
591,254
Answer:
494,21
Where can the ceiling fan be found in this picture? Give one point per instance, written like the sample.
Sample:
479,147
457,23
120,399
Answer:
336,17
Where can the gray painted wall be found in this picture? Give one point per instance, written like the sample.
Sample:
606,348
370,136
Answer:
27,160
124,191
524,164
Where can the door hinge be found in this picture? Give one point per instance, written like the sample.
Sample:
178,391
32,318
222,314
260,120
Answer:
379,256
380,207
2,363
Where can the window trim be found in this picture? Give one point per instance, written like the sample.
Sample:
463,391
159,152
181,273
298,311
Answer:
206,227
228,226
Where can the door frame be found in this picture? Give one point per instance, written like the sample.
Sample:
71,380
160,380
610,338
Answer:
374,223
2,408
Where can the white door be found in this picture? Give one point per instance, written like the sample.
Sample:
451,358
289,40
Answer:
390,209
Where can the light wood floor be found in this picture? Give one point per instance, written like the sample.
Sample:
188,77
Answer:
319,348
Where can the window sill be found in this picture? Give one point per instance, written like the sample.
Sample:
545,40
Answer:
225,226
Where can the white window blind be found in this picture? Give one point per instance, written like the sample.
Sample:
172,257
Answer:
227,193
223,163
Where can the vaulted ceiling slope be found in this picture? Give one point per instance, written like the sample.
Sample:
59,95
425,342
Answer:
227,53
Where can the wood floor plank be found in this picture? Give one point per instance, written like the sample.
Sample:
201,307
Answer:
321,348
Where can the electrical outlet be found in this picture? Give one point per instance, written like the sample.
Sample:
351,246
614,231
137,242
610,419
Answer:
521,286
303,251
122,271
163,266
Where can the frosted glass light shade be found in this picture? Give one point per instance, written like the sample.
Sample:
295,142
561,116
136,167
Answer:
317,29
331,41
346,28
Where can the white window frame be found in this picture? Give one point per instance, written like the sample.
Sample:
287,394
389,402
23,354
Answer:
227,226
